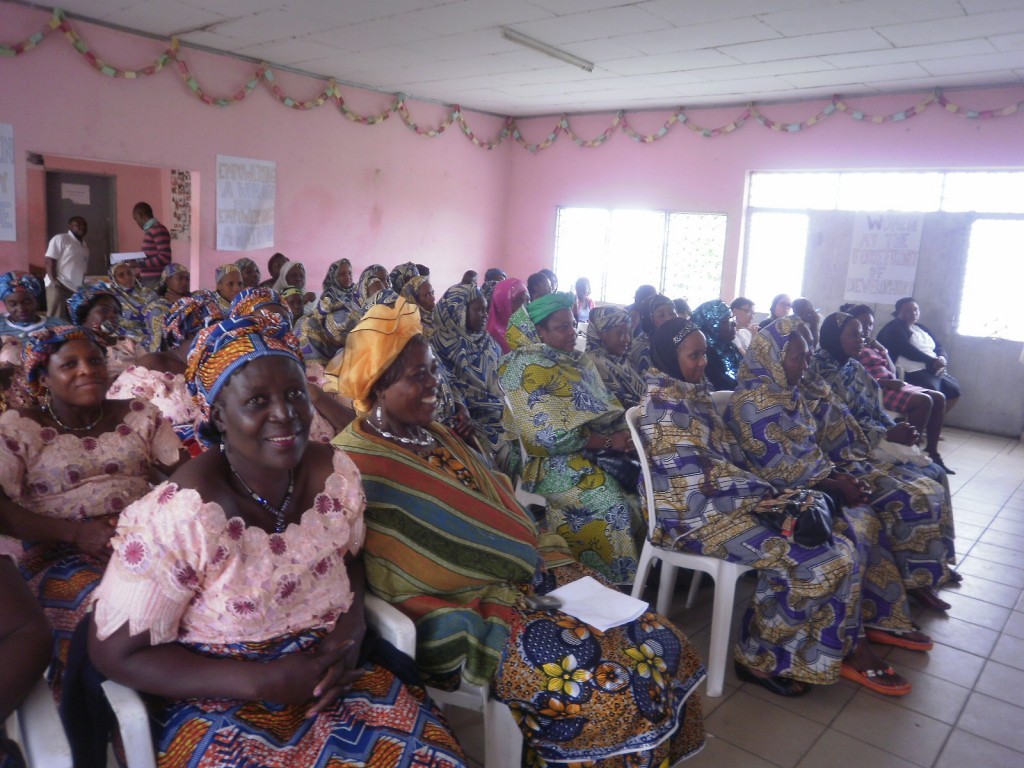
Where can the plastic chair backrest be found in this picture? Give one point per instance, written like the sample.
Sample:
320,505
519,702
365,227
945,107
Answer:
721,400
632,421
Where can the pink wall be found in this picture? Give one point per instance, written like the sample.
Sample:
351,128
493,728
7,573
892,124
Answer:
372,193
687,172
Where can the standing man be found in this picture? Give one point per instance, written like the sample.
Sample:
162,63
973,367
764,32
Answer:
156,244
66,259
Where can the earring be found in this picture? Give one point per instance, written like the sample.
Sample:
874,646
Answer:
379,414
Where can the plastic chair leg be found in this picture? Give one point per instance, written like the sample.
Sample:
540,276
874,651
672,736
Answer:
643,569
691,596
667,586
503,741
721,623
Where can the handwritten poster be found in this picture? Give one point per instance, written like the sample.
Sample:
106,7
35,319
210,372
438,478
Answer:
245,203
883,257
7,229
181,205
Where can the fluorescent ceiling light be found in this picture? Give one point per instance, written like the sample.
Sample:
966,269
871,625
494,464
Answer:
548,50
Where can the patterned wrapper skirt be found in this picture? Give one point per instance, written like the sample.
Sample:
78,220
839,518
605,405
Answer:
379,723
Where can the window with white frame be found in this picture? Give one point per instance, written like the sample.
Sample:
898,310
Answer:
780,203
618,250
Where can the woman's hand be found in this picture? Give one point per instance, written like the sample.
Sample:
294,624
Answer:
93,537
939,364
904,434
463,425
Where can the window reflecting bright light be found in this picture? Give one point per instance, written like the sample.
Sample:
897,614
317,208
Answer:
807,191
1001,192
889,191
990,301
776,247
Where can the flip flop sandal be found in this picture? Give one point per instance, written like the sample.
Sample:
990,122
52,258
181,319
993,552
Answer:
897,639
869,677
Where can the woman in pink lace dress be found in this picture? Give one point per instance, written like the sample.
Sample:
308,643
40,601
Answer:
68,467
234,592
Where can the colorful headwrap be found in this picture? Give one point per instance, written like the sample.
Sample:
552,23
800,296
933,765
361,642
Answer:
85,297
383,296
365,277
832,328
251,299
500,308
724,357
170,269
601,320
402,274
412,286
12,283
666,338
245,262
290,290
541,308
188,316
42,344
373,345
221,349
224,270
647,309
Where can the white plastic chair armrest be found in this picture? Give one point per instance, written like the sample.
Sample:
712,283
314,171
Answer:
133,721
393,625
38,731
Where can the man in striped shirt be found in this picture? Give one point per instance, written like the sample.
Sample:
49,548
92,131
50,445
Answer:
156,244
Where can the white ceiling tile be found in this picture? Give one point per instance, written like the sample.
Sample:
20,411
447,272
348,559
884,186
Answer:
469,15
670,62
234,9
685,13
1014,42
104,10
265,26
765,69
860,15
1004,61
807,45
699,36
212,40
984,6
339,12
566,7
287,52
165,17
370,34
982,25
591,26
911,53
841,78
463,45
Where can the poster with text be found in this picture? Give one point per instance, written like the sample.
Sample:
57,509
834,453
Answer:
245,203
7,229
883,257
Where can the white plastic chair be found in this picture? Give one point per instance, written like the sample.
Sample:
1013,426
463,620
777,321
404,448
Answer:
133,719
524,497
722,572
36,728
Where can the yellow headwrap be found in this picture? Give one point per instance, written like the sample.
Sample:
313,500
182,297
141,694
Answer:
373,345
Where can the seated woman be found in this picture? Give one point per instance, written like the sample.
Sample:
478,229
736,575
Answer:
508,296
608,339
250,272
918,352
133,299
68,467
620,697
294,273
338,285
520,330
801,435
838,362
97,308
780,307
22,295
924,409
420,292
173,286
229,283
716,322
159,377
803,625
584,304
654,311
234,591
492,277
743,311
24,645
561,409
470,355
401,275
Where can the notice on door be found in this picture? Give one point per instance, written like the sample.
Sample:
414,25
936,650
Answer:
76,193
883,257
8,232
246,191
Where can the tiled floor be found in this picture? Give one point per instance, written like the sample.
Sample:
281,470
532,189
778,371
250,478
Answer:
967,706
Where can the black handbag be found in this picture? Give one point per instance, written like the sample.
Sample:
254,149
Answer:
802,516
623,467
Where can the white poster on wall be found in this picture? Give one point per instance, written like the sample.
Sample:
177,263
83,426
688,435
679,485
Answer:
8,232
245,203
883,257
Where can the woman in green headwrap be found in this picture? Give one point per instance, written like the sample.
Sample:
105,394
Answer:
561,408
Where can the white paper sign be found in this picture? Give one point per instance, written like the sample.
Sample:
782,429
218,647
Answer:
883,257
245,203
76,193
8,232
117,258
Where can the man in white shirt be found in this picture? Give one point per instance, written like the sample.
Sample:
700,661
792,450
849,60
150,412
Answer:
67,257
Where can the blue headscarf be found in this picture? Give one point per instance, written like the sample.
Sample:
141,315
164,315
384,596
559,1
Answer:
189,315
84,298
42,344
11,283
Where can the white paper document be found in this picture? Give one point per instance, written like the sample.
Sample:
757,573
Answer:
595,604
117,258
